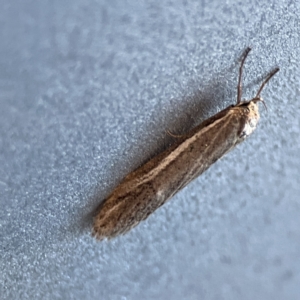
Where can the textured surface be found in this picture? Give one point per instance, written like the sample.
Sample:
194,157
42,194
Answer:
87,89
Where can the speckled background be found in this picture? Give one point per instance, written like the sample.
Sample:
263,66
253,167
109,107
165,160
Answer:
87,90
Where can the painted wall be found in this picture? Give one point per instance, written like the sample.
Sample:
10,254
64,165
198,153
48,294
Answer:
87,90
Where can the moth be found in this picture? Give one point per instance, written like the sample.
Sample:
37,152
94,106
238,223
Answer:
147,188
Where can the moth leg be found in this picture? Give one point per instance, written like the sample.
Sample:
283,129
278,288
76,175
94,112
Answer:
178,136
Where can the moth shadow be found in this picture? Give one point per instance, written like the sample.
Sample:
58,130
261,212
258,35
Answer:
206,98
85,223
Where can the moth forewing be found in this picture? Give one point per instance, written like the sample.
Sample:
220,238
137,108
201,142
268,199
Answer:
144,190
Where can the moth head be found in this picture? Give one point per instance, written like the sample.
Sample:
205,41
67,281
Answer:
250,117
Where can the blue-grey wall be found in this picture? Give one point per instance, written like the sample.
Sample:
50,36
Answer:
87,90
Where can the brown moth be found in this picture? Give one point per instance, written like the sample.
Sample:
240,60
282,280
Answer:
147,188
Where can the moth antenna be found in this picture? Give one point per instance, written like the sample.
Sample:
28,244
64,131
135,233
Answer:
239,87
270,75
